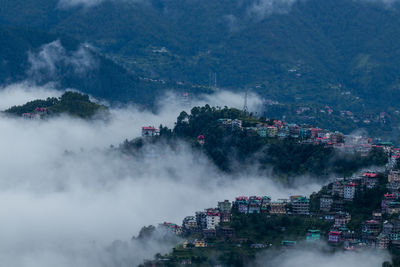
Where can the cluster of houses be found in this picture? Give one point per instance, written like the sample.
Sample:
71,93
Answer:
308,134
382,117
214,222
37,114
150,131
375,232
281,129
305,134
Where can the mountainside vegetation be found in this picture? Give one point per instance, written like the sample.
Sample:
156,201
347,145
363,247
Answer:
336,53
40,57
233,149
312,51
72,103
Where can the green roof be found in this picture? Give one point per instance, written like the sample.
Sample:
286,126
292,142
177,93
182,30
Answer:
385,144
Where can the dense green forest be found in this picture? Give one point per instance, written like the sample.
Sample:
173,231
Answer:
312,51
340,53
72,103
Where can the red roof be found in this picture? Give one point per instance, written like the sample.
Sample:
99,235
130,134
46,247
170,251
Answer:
370,175
149,128
200,137
389,196
335,233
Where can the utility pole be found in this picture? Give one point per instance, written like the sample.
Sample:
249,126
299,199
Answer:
212,80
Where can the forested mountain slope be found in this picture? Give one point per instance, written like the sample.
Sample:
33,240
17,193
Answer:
306,50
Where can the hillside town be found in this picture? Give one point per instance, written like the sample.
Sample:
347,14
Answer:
309,134
304,134
379,231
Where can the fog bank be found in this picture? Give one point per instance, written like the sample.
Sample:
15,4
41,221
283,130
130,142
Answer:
65,196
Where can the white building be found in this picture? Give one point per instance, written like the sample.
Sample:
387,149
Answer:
349,191
237,124
150,131
212,219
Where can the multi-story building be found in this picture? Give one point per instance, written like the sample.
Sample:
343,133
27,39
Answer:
226,216
254,204
225,206
337,188
201,219
189,225
393,207
171,227
237,124
370,179
213,218
262,131
395,231
272,131
342,218
277,207
334,237
371,226
349,191
387,228
242,204
313,235
265,205
394,176
300,206
382,241
325,203
337,205
387,198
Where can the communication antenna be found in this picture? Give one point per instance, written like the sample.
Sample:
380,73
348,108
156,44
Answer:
245,108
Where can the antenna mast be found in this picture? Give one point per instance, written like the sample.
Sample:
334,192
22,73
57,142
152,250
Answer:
245,108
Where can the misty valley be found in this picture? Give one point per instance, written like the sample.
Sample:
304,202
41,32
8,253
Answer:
226,133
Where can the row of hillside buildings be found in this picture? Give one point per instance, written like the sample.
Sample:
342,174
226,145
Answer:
375,232
303,133
311,135
37,114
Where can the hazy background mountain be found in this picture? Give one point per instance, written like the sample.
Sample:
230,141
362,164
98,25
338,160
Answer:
310,51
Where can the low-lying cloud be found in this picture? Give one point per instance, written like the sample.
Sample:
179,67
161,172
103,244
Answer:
263,8
322,256
53,58
65,4
65,196
15,94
